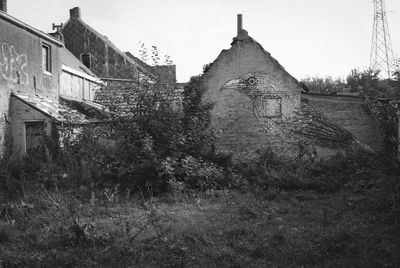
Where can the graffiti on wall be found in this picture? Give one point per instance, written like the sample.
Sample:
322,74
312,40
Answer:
13,65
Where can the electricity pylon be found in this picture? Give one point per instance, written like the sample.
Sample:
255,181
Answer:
382,57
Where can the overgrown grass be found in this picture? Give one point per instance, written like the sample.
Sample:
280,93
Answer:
219,229
342,212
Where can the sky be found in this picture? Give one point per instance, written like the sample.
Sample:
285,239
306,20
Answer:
310,38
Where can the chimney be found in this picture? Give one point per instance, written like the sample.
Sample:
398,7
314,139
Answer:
239,23
3,5
75,13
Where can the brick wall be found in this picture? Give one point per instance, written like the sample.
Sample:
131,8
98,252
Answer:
232,116
348,112
106,59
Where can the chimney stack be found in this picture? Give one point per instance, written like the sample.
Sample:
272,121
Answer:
239,23
3,5
75,13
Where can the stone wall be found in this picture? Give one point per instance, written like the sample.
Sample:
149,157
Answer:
120,96
166,74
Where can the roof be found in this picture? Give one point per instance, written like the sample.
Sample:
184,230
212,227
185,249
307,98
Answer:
244,37
72,65
32,30
60,111
134,60
68,59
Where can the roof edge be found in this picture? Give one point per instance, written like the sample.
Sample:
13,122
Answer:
81,74
29,28
34,107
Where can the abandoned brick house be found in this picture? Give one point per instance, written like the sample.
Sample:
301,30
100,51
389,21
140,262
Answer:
39,80
267,107
122,71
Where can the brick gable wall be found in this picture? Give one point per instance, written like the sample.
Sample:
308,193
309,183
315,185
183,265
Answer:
232,116
105,61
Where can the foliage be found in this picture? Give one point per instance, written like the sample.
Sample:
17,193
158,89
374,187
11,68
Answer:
168,60
143,54
386,113
364,83
396,75
196,118
324,85
155,55
367,83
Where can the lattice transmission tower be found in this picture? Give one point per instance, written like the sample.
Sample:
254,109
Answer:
382,57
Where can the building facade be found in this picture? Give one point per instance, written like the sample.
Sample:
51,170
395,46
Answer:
99,54
32,64
232,117
257,106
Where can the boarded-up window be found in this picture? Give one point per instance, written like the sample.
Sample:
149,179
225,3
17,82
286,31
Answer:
35,134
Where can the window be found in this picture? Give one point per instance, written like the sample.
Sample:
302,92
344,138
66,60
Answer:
46,58
86,59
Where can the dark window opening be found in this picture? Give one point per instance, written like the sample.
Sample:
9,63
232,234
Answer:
46,58
86,59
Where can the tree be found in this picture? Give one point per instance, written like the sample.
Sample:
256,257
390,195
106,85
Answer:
396,74
364,82
324,85
168,60
143,52
155,55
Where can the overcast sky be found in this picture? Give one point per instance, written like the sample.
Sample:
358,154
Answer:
308,37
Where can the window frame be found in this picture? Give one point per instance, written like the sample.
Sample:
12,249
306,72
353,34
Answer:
46,59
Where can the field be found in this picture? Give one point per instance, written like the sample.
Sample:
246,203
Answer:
354,226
